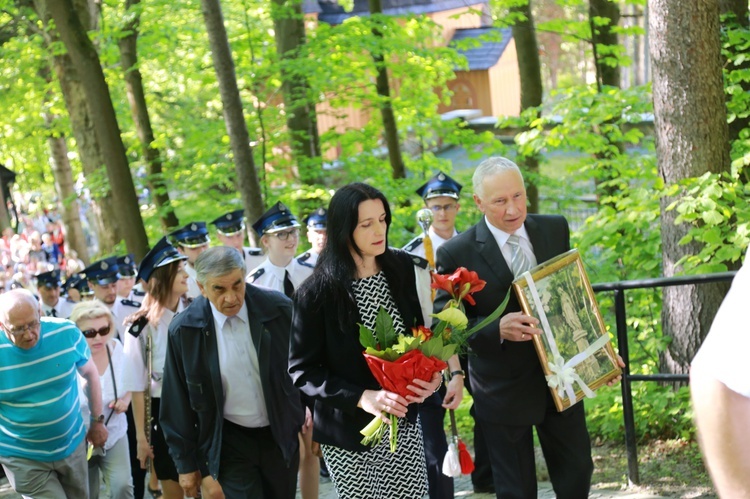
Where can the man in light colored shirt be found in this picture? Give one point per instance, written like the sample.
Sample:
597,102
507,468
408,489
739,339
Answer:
230,231
48,286
191,241
102,277
42,444
317,236
226,395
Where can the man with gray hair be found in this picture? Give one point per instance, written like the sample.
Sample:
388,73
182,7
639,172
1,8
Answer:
510,391
42,444
230,412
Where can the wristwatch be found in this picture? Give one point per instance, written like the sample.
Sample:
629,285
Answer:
456,373
97,419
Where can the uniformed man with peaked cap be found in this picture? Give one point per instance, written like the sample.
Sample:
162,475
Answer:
102,277
127,270
53,305
230,230
316,233
191,241
279,233
440,195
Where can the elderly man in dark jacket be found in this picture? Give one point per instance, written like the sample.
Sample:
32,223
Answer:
229,411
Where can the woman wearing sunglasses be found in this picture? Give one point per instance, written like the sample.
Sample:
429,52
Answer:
163,271
110,463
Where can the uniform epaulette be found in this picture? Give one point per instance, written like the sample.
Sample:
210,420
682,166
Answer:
137,292
136,328
303,260
419,261
413,244
254,251
255,275
131,303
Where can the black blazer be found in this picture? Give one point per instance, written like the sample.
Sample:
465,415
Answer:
507,381
192,394
326,361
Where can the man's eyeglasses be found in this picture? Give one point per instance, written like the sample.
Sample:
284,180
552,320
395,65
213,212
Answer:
21,330
286,234
102,331
443,207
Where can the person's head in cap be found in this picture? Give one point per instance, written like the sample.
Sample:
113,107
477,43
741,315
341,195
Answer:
191,240
48,286
316,229
230,229
441,194
69,289
279,232
102,277
127,270
163,272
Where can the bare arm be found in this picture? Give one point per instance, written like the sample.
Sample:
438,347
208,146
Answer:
97,434
721,416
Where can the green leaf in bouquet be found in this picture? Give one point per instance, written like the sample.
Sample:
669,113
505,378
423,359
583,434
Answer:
384,331
375,352
405,344
366,338
432,347
494,315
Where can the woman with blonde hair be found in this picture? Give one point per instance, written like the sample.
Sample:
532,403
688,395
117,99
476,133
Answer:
111,462
163,272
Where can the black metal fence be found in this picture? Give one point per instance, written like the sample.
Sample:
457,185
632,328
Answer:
619,289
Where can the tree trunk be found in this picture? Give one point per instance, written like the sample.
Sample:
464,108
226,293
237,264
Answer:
604,36
383,88
64,185
247,176
81,122
86,60
139,109
739,8
530,72
691,139
301,119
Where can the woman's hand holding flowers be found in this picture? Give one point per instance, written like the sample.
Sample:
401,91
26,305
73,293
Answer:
382,402
424,388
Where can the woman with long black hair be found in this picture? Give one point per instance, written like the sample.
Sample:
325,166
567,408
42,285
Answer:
356,274
163,271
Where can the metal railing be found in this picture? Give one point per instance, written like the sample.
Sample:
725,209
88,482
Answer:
619,289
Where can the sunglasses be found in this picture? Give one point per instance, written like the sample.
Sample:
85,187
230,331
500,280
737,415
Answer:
91,333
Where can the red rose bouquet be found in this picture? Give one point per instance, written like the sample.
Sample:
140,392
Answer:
397,359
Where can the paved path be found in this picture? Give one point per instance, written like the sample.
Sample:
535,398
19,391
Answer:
463,490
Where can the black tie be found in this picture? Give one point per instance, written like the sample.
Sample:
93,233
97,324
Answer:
288,286
53,313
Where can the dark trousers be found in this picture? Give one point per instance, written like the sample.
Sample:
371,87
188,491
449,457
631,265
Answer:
481,477
138,474
432,417
252,465
566,446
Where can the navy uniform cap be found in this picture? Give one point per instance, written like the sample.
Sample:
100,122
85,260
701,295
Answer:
83,287
126,265
440,185
276,219
49,279
160,255
317,219
103,272
193,235
71,281
230,223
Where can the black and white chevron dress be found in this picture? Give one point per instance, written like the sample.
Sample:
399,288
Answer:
378,473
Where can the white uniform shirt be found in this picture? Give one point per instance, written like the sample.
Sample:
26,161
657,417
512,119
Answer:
309,257
252,261
193,290
123,371
724,351
121,310
158,354
63,308
240,373
272,276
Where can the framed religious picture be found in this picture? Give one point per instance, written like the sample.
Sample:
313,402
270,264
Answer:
574,348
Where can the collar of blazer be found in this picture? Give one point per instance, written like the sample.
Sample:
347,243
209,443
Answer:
491,253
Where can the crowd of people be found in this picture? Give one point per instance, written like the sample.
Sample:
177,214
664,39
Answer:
230,371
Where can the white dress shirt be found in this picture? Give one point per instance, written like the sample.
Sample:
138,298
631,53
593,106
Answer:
63,308
240,373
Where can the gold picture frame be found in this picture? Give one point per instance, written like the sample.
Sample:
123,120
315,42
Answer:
578,359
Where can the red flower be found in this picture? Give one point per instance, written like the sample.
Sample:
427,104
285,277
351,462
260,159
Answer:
395,376
461,284
422,332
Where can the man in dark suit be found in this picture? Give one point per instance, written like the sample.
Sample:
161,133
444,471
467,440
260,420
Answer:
229,410
510,391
